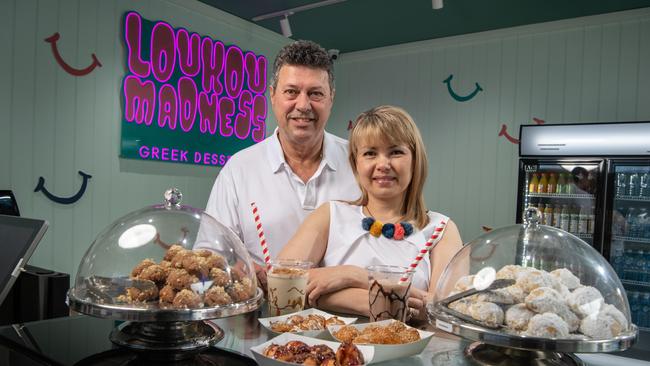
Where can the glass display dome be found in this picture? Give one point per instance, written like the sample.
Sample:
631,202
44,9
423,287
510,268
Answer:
165,264
533,287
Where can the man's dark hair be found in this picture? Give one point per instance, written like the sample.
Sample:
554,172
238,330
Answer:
303,53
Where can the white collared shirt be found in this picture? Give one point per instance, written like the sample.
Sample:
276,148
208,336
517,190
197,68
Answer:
260,174
349,243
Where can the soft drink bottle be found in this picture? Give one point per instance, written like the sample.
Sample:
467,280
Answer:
557,215
630,223
560,187
645,310
548,215
592,220
628,263
642,222
617,257
633,185
565,218
639,268
635,306
532,186
575,220
583,220
621,184
542,185
552,184
644,185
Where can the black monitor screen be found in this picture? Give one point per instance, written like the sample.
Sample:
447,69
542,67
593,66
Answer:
18,239
8,205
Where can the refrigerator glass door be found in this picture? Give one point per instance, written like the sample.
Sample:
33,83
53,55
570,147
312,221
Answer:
629,229
565,193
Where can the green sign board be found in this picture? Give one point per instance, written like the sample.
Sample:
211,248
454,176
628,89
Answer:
188,98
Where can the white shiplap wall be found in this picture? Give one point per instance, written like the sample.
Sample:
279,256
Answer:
53,124
592,69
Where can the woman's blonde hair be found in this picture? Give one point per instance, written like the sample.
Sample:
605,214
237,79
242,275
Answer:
396,126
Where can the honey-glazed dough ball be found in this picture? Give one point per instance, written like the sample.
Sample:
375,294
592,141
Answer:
204,253
220,277
518,316
567,278
547,325
154,273
600,326
487,312
167,294
187,299
585,301
195,265
544,300
141,266
172,251
346,334
177,260
217,295
409,335
179,279
464,283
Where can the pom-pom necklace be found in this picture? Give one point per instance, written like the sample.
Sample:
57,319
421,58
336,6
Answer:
397,231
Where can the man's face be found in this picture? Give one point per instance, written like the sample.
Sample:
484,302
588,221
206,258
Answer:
302,102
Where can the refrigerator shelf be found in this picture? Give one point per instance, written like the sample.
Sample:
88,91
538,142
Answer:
562,195
632,198
631,239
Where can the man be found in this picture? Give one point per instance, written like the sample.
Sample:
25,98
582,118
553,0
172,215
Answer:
297,168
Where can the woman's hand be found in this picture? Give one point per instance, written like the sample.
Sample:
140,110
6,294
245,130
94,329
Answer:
417,303
326,280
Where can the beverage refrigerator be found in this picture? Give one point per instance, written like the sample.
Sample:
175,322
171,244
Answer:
593,180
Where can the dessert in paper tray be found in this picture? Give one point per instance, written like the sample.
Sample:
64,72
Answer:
309,322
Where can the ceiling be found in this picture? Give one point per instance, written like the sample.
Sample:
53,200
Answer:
355,25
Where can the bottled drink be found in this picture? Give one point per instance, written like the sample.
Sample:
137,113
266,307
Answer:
532,185
633,185
575,220
630,223
560,187
552,183
644,185
621,184
592,220
639,268
628,264
557,214
569,187
634,306
642,222
617,257
548,215
541,208
583,220
541,185
565,218
645,310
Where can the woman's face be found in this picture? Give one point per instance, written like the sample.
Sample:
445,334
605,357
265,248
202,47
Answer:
384,169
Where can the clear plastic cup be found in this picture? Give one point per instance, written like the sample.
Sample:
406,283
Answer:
387,297
286,282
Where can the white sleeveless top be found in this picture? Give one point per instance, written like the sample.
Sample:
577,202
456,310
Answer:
349,243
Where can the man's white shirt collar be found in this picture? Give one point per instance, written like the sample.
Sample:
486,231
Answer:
276,155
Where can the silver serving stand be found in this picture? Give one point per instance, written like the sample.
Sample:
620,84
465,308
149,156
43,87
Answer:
155,327
496,347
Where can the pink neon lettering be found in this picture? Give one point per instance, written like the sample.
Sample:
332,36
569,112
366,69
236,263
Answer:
143,151
154,152
226,110
163,55
243,119
139,99
167,107
133,32
259,118
234,78
256,70
212,56
187,101
208,115
188,47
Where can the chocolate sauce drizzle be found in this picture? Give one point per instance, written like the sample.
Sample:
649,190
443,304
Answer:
397,302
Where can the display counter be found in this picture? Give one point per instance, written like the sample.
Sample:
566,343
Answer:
80,340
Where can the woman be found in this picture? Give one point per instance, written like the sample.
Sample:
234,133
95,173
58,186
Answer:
388,224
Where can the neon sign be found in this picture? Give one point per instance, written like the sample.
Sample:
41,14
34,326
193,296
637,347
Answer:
187,98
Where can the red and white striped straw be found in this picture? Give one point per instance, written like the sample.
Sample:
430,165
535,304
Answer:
427,247
260,234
